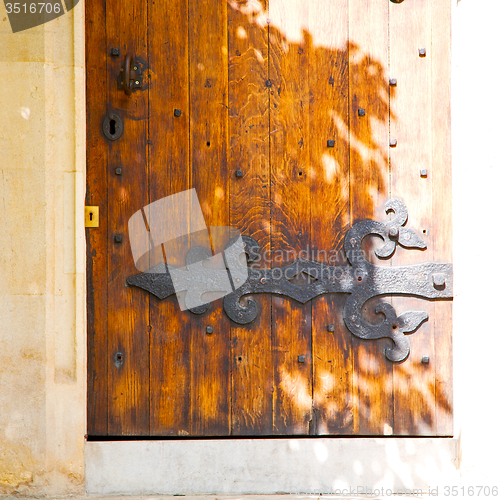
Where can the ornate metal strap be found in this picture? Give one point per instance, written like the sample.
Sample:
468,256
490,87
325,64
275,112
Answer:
361,279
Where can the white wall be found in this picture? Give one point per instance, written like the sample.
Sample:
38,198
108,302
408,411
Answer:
476,184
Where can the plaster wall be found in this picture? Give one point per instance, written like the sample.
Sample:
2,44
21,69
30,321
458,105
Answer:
42,294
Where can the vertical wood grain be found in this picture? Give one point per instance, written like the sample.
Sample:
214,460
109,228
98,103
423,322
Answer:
290,211
328,120
442,200
262,87
251,352
208,67
169,174
411,126
128,311
97,238
369,189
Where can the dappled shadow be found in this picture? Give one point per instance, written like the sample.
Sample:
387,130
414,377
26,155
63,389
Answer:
323,105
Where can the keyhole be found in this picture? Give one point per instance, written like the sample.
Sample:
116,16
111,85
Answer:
112,126
90,215
208,143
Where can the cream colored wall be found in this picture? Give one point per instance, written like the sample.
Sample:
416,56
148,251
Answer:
42,289
42,342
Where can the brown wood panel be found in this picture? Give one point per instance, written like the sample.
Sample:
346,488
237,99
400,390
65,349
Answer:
329,120
208,66
441,236
262,86
290,211
251,350
170,337
411,126
97,238
369,189
128,316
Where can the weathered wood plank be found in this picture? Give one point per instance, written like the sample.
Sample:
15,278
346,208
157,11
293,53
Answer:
170,337
128,311
290,210
251,351
208,63
411,126
441,185
264,97
329,120
369,189
97,238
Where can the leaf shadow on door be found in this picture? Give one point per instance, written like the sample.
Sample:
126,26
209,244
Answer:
345,94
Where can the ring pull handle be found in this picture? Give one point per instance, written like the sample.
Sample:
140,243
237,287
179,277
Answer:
126,76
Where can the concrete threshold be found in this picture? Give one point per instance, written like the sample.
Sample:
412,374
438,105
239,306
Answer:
343,467
204,497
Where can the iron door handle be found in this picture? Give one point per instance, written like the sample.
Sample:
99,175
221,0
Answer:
130,75
126,77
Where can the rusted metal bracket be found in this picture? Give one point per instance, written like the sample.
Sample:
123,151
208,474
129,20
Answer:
362,280
131,75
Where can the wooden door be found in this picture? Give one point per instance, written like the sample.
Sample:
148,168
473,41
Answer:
297,97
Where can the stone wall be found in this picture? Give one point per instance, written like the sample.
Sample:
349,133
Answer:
42,301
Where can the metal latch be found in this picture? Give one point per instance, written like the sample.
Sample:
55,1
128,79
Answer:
91,216
130,75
